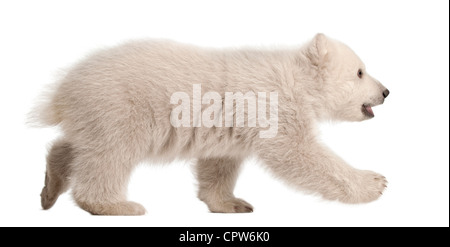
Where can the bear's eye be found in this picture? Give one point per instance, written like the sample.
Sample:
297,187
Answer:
360,73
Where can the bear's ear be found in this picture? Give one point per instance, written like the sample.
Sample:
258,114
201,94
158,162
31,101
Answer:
317,50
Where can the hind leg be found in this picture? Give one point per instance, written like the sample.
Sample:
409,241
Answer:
58,171
100,182
217,178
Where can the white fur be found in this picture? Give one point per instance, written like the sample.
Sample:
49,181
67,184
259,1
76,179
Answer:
114,110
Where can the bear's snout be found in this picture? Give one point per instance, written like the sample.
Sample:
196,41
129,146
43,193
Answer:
386,93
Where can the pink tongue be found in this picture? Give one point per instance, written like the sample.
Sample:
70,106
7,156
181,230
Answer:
369,110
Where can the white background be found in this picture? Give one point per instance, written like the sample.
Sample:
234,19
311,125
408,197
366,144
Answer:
405,44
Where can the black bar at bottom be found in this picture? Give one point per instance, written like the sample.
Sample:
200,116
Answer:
223,236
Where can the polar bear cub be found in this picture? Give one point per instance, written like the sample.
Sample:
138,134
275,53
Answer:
153,101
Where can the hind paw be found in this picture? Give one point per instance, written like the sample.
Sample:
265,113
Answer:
121,208
51,191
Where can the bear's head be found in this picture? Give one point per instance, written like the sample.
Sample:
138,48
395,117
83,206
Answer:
347,91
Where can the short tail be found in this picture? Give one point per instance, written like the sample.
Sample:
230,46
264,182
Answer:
45,113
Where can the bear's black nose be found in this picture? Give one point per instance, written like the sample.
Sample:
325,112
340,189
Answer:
385,93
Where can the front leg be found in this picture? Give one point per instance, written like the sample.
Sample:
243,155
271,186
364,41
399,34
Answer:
217,178
310,166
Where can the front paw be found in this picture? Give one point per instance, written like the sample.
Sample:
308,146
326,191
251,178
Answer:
234,205
367,187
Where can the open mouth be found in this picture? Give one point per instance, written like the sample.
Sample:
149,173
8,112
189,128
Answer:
367,110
